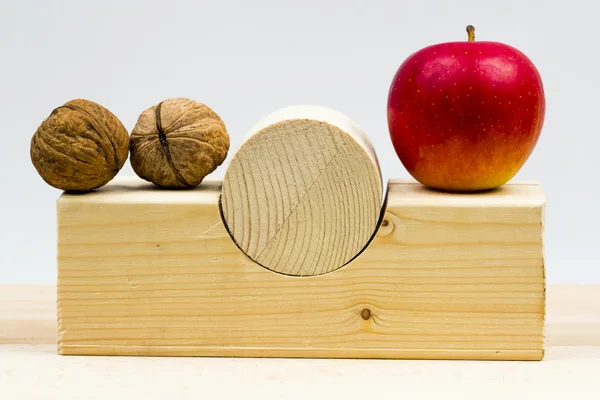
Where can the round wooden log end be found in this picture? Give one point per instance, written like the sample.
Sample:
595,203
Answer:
303,194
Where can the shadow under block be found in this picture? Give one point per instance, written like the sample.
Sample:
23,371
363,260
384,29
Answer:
143,271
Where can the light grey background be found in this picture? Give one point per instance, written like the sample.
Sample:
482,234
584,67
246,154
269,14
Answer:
247,58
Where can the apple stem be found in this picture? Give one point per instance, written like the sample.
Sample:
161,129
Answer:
471,33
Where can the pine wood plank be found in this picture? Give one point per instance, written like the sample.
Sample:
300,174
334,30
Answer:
144,271
28,315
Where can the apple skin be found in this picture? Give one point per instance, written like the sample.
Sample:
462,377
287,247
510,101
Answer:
465,116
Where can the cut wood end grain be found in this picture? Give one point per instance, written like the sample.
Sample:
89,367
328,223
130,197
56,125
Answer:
303,194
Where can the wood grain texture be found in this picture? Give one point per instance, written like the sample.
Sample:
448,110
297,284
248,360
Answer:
149,272
303,194
28,315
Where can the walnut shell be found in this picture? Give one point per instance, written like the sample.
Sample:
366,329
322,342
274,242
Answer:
79,147
177,142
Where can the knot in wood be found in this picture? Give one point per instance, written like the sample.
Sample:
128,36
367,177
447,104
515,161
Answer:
365,314
387,226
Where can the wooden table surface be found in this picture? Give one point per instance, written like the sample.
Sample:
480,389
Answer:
31,369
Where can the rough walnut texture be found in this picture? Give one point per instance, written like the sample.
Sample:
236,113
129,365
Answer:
80,146
176,143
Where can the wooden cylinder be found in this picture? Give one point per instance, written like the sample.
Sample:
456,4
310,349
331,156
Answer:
303,193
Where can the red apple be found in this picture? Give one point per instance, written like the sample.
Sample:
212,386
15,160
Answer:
465,116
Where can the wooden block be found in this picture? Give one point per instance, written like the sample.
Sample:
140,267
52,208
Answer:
143,271
303,193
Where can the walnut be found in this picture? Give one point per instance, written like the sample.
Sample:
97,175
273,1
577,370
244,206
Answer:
177,142
81,146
